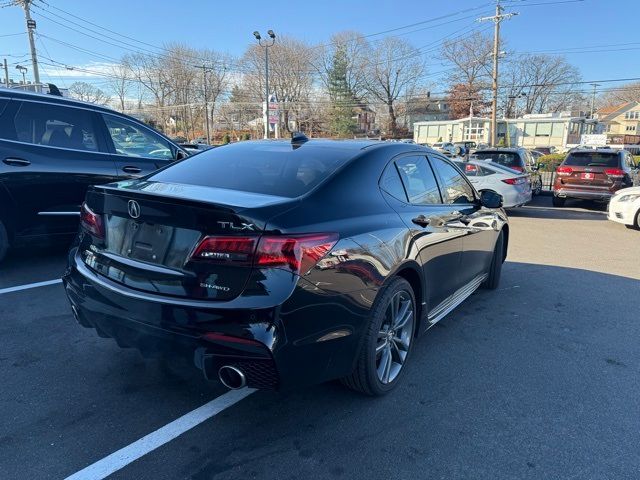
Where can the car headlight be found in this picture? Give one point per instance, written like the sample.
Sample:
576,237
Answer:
629,198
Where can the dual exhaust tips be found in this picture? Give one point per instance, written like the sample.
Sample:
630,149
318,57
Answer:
232,377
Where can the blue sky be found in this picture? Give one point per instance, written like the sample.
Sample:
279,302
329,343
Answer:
609,26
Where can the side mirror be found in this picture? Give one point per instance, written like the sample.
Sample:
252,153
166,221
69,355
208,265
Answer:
181,154
490,199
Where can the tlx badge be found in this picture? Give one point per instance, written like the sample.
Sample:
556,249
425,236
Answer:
237,227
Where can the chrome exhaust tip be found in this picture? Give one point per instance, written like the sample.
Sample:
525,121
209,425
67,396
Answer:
232,377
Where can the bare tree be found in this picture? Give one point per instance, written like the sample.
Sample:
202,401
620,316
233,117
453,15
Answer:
471,57
88,93
291,75
542,83
393,69
622,94
356,51
120,83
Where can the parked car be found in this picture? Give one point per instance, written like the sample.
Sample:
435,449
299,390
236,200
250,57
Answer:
593,174
536,155
279,263
518,159
193,148
624,207
513,186
446,148
52,148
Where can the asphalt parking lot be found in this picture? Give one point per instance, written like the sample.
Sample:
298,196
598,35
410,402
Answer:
539,379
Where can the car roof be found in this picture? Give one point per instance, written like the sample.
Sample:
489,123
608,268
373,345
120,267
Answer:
501,149
321,146
58,100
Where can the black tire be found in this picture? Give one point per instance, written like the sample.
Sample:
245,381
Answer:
537,190
4,241
364,378
495,270
636,222
558,202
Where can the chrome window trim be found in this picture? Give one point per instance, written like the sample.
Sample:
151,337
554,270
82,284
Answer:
95,152
58,214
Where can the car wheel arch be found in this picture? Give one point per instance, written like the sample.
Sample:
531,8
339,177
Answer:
412,273
505,232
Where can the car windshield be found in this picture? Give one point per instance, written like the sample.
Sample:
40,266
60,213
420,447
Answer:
270,170
507,159
592,159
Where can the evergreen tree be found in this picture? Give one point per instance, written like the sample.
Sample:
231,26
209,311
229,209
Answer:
341,121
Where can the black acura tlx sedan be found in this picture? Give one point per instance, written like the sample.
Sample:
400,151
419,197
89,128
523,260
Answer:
282,263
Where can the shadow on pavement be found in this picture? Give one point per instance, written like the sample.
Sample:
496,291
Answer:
538,379
541,207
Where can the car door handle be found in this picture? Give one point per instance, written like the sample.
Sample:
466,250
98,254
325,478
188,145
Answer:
421,220
131,169
17,162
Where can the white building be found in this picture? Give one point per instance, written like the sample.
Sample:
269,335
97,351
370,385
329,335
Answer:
560,131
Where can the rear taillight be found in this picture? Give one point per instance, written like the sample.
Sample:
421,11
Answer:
564,171
298,253
238,250
91,221
615,173
470,168
515,181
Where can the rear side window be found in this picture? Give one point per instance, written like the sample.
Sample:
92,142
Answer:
592,159
455,188
508,159
55,126
391,183
269,170
419,180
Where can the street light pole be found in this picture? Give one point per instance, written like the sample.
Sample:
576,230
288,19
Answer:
266,45
22,70
206,103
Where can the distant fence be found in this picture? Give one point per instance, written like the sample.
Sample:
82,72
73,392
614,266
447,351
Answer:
547,180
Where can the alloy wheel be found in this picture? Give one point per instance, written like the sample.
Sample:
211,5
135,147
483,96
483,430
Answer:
394,337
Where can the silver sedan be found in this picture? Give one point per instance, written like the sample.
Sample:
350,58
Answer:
514,186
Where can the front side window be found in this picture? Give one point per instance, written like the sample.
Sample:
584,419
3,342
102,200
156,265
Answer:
55,126
455,188
134,140
419,180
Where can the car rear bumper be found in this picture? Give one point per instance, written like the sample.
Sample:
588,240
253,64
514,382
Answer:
516,199
276,347
583,193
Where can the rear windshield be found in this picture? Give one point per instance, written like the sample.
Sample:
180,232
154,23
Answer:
592,159
507,159
269,170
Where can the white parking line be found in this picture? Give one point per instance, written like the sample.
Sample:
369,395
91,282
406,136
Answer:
29,285
117,460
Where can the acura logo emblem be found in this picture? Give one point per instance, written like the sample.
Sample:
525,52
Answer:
134,209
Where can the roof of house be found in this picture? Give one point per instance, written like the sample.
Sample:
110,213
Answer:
613,109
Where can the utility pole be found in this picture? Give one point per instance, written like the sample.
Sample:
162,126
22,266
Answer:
31,26
593,98
6,73
497,20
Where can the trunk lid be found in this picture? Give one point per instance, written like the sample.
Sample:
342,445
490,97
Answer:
151,231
